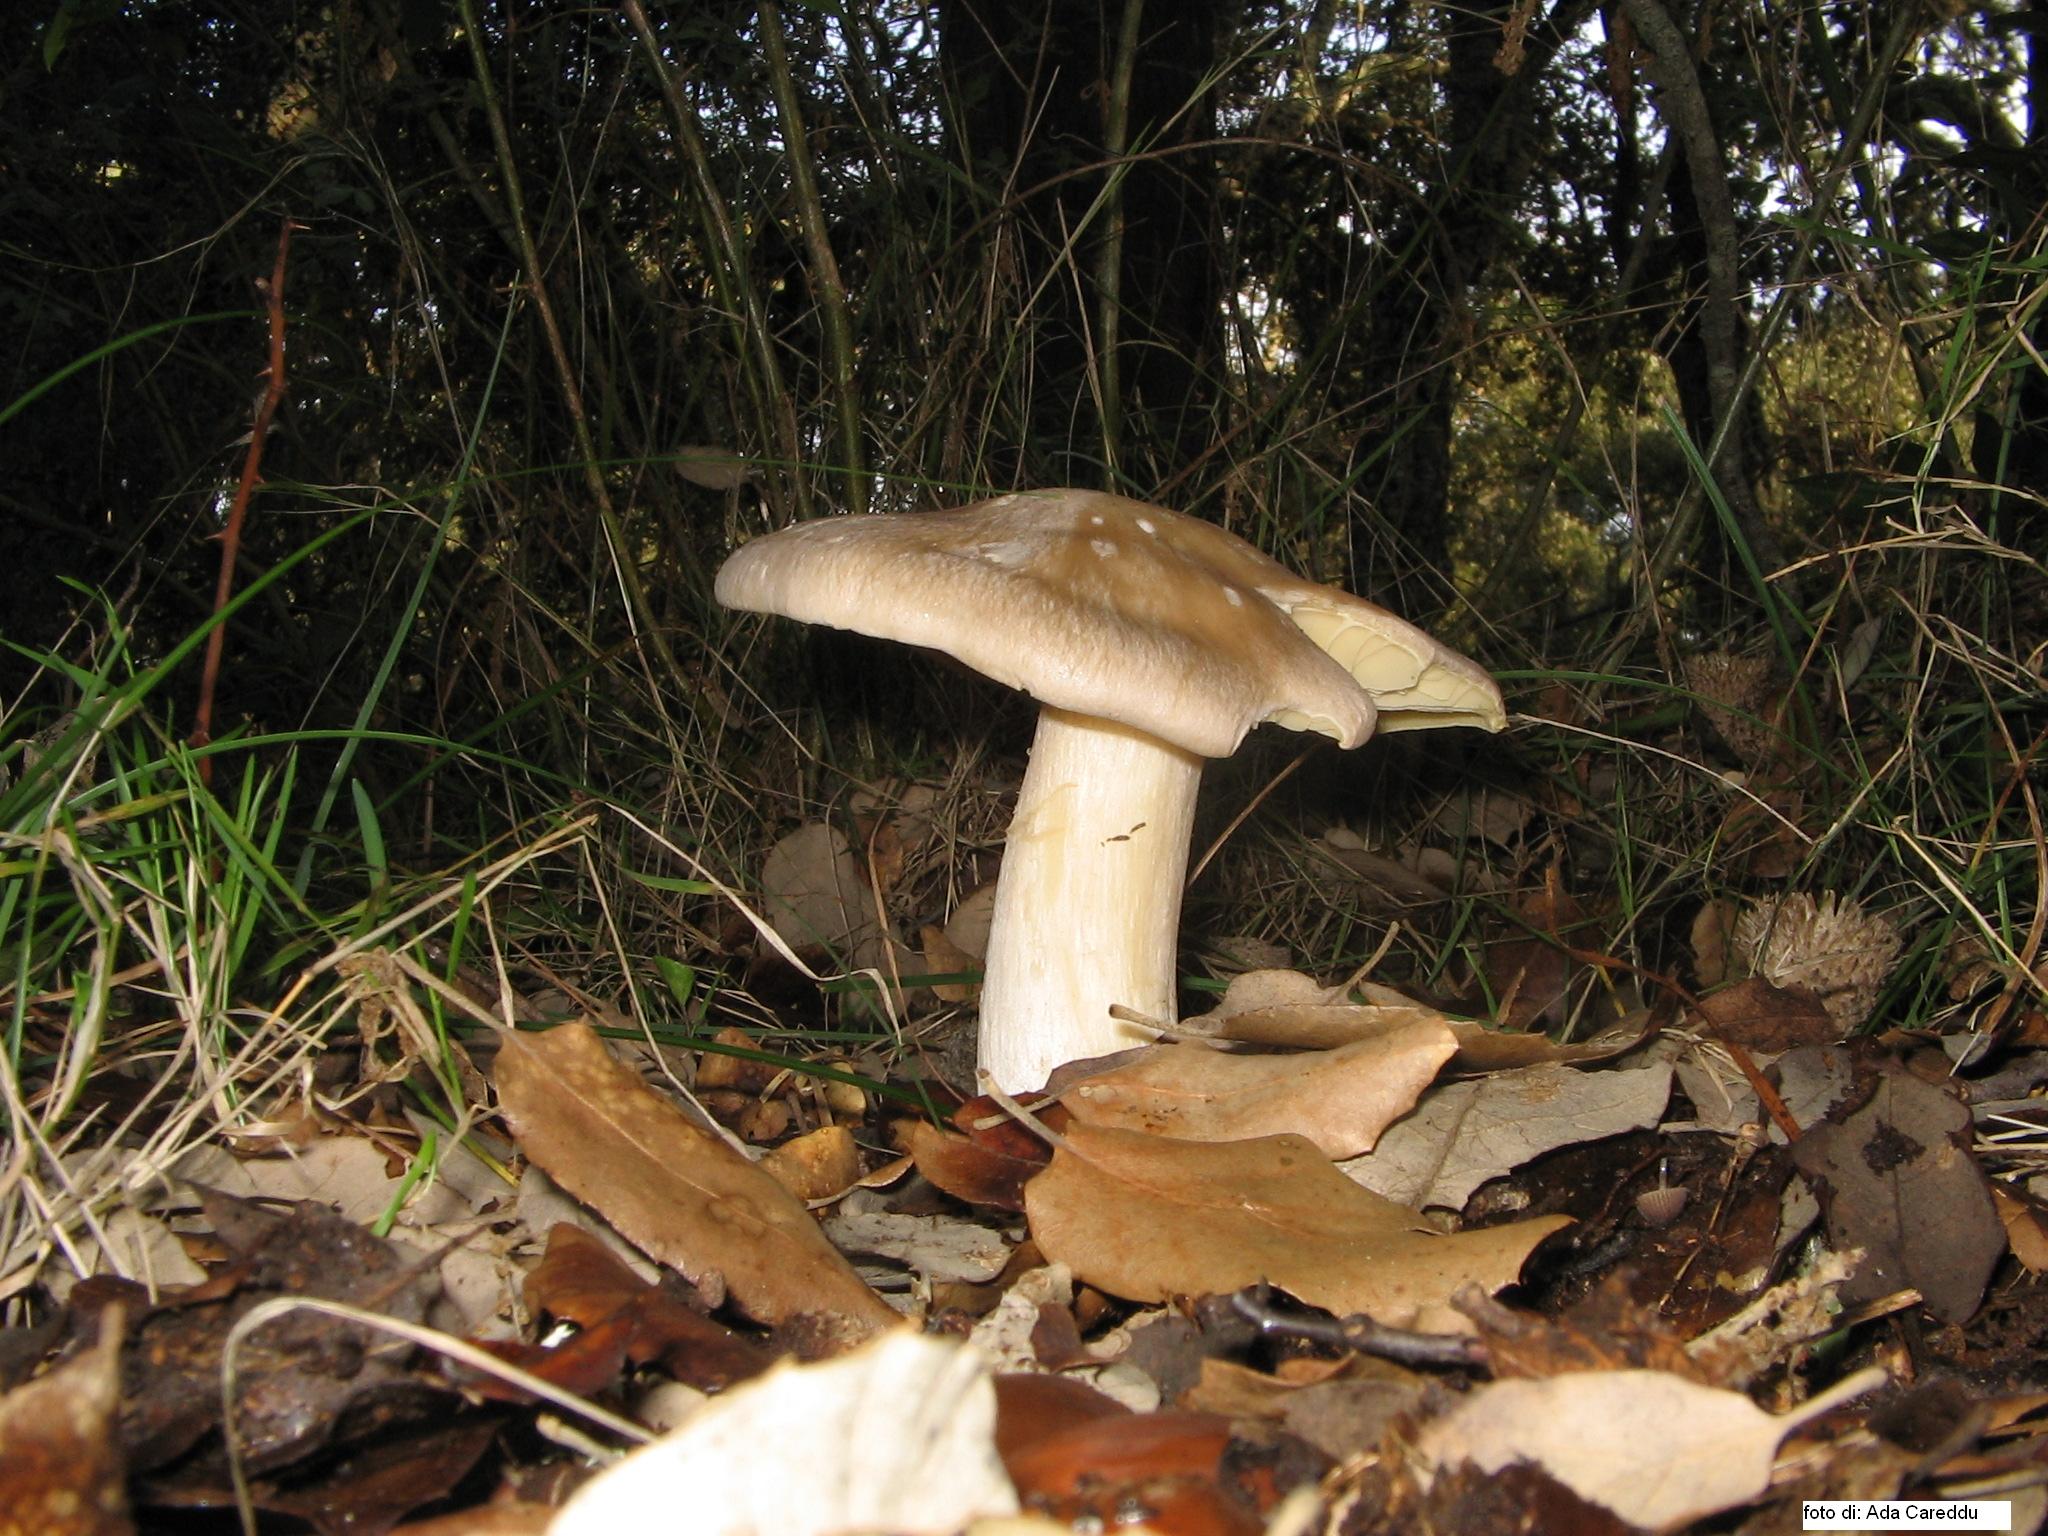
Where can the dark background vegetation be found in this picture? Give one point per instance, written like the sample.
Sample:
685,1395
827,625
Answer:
1449,303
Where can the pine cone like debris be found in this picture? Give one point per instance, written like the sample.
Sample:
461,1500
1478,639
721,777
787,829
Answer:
1732,689
1832,948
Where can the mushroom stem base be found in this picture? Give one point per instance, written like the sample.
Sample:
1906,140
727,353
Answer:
1087,909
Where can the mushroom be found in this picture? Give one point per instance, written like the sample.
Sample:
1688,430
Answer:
1153,640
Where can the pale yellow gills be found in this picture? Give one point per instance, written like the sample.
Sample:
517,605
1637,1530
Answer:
1417,682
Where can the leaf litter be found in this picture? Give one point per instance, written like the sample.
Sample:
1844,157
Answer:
1189,1303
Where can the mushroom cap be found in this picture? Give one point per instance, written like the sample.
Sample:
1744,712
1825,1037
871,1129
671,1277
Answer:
1114,609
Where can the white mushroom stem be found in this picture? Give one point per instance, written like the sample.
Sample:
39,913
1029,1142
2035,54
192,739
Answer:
1087,908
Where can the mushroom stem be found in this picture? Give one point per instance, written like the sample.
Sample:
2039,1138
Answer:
1087,908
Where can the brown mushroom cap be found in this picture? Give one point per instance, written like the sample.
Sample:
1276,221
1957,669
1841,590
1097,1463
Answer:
1114,609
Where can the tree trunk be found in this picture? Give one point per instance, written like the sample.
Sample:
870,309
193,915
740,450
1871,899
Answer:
1029,88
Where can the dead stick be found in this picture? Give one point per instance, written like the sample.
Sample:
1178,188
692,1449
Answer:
252,474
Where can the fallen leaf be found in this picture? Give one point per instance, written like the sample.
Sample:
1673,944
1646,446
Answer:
1767,1018
1656,1449
967,929
897,1436
1170,1463
981,1171
818,1165
1339,1099
2024,1230
61,1471
1463,1134
680,1193
815,891
581,1281
1897,1179
1711,926
1481,1049
942,957
1146,1218
374,1486
1286,1008
937,1247
299,1375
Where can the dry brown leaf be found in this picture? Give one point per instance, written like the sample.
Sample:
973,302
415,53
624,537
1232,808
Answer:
1711,926
967,929
1761,1017
1286,1008
1145,1217
975,1170
815,891
819,1165
678,1192
2025,1231
1897,1178
1501,1050
1340,1099
1656,1449
61,1472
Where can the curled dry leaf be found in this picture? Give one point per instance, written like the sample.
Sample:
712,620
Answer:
982,1170
818,1165
1146,1218
1339,1099
680,1193
1286,1008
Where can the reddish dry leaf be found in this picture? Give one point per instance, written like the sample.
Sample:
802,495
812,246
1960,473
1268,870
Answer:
1755,1014
980,1169
1031,1408
679,1193
1341,1100
1078,1457
1147,1218
60,1470
579,1280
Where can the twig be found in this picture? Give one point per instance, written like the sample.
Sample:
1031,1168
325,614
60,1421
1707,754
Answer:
252,474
